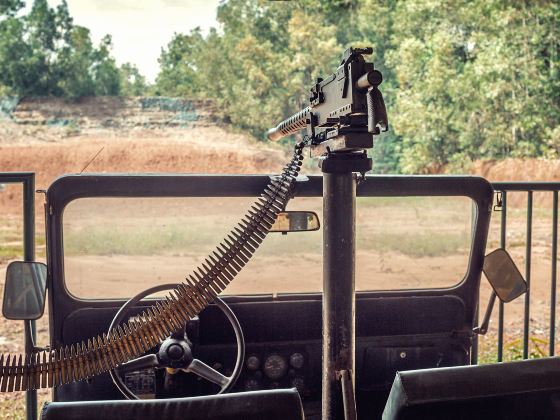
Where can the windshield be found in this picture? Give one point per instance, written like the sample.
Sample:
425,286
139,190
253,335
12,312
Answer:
116,247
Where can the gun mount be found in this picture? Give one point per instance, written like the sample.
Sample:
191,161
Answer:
345,110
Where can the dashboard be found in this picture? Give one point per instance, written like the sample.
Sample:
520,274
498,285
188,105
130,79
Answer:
284,348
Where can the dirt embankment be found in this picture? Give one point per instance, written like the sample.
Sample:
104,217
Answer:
518,170
52,137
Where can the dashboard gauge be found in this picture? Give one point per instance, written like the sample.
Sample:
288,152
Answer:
297,360
275,367
253,363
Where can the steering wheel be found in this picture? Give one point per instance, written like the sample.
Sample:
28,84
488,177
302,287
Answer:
175,352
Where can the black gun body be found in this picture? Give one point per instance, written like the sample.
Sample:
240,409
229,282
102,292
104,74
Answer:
337,105
343,104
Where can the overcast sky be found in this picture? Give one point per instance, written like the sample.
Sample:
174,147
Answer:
140,28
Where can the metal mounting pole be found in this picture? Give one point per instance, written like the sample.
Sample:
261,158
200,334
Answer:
29,255
339,304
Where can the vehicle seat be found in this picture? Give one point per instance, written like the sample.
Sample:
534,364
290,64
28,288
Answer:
275,404
529,389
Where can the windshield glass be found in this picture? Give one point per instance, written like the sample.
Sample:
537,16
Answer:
116,247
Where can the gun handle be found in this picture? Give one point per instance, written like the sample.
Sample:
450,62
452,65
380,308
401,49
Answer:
377,113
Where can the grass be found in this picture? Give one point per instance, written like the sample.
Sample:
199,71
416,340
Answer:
512,350
12,405
188,238
12,410
139,240
417,245
10,252
11,243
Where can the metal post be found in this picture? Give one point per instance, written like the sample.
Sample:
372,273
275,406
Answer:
527,321
28,181
339,231
29,255
503,238
553,273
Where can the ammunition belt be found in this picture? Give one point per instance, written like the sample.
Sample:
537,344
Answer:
131,339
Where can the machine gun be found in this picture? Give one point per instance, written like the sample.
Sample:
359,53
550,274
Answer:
345,110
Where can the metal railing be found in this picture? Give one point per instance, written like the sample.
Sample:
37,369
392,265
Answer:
27,181
504,189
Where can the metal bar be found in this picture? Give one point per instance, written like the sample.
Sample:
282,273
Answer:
503,237
475,339
554,255
528,274
29,255
526,186
348,396
15,177
339,305
27,179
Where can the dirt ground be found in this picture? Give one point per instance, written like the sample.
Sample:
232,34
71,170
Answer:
53,151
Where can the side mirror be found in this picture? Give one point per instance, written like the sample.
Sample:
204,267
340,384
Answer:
296,221
24,290
506,281
503,275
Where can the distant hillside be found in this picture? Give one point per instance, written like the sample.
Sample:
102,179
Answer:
110,112
52,137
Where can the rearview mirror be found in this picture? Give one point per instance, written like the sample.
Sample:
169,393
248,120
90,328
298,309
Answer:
503,275
296,221
24,290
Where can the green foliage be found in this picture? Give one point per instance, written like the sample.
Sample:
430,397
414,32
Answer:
512,350
132,83
43,53
463,80
10,7
477,79
257,68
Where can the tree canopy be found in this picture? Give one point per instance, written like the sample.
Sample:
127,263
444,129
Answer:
463,79
42,53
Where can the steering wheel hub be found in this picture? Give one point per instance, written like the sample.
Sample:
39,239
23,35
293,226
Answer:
175,353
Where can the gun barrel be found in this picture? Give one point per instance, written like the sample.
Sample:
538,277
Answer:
289,126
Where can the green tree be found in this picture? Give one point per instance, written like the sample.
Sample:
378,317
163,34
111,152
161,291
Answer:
10,7
43,53
463,80
132,83
475,80
106,75
178,74
74,66
14,53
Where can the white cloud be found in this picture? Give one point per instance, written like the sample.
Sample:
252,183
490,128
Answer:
140,28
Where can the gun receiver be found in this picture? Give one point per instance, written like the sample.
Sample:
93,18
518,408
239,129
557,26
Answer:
345,110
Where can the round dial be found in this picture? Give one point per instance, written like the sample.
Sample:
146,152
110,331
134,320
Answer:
253,363
275,367
297,360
